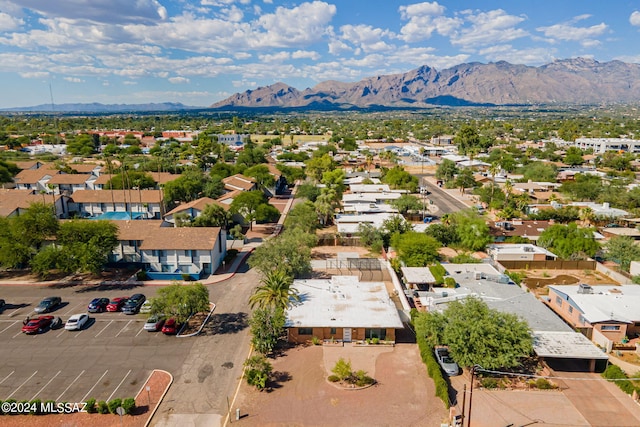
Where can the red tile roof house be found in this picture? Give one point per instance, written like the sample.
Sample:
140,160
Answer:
146,203
167,253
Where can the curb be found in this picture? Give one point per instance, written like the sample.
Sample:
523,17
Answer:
164,393
201,326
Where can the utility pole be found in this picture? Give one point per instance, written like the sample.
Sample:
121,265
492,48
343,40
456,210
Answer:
473,373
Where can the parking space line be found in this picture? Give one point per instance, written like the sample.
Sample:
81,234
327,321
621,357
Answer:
94,386
20,386
7,377
141,329
72,309
19,333
69,386
8,326
114,391
102,330
61,332
45,386
125,327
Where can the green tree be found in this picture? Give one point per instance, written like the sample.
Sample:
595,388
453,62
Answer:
465,179
246,204
86,245
398,178
478,335
584,187
318,165
267,328
276,291
446,170
406,203
290,252
573,156
7,171
181,301
80,145
472,230
261,174
623,250
267,213
131,179
303,216
569,241
258,371
540,172
416,249
212,215
308,191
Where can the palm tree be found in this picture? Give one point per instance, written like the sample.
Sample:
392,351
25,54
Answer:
494,169
276,291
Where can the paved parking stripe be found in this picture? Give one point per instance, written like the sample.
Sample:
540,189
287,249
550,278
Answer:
141,329
61,332
7,377
59,399
94,386
20,333
20,386
8,326
114,391
124,328
102,330
45,386
73,309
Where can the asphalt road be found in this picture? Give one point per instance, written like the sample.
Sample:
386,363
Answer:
110,357
440,198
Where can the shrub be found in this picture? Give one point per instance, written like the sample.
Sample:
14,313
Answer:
334,378
114,404
315,340
450,282
362,379
544,384
103,408
375,340
258,371
186,277
141,275
614,372
438,272
489,383
36,405
129,405
91,406
231,254
342,369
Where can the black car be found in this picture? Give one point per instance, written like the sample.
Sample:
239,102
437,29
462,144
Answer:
133,304
98,305
48,304
2,304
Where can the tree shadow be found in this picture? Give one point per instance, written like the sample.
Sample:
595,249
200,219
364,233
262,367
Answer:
226,323
276,380
106,287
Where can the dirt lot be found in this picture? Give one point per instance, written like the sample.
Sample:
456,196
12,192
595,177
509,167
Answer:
538,280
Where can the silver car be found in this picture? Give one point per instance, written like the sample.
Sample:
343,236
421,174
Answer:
448,365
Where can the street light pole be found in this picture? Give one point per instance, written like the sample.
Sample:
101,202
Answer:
473,373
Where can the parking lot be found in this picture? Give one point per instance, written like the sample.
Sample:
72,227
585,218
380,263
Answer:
110,357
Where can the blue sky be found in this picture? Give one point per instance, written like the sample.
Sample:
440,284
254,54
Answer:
200,51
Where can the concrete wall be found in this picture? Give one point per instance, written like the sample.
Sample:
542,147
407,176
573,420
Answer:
357,334
620,278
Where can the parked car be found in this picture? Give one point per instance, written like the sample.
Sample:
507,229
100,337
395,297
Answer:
154,323
98,305
76,322
133,304
56,323
146,307
48,304
116,303
2,305
170,327
448,365
37,325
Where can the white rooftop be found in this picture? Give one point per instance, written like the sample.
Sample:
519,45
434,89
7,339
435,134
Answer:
350,223
614,302
418,275
519,248
601,209
369,188
342,302
567,345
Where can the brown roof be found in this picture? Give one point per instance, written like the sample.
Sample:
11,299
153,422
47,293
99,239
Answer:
27,165
162,178
103,179
520,228
33,176
69,178
105,196
225,197
274,170
198,204
239,182
137,229
181,238
12,199
83,167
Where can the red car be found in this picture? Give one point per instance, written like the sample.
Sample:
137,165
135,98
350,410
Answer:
170,327
37,325
116,304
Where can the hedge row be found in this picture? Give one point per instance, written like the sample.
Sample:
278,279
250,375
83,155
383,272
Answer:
92,407
613,372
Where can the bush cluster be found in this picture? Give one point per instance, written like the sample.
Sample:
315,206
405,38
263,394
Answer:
102,407
438,272
613,372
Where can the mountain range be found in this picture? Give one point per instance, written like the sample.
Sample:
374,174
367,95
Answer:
98,108
577,81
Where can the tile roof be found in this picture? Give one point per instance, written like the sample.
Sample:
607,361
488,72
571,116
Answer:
12,199
105,196
198,204
181,238
69,178
33,176
239,182
163,177
84,167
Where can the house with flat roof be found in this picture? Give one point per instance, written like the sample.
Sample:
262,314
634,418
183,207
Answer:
342,308
603,313
519,252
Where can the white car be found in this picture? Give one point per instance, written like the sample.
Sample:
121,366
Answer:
146,307
76,322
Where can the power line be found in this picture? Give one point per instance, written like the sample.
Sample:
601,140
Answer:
515,374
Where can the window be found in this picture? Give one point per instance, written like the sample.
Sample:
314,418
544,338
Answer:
332,331
559,301
305,331
570,309
375,333
582,320
610,327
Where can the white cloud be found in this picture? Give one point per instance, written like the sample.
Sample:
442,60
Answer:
233,14
243,83
508,53
74,79
8,22
338,47
109,11
424,19
275,57
634,19
567,31
305,23
495,26
34,74
178,80
128,83
223,2
366,37
305,54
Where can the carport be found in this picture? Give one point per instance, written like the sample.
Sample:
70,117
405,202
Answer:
569,351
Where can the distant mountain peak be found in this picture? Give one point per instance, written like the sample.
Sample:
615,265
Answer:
564,81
